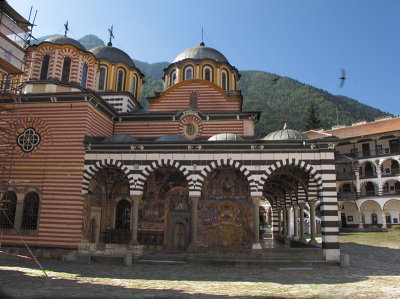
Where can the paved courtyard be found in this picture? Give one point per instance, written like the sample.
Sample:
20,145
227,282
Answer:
374,273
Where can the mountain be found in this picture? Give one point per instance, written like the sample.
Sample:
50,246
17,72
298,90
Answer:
90,41
280,99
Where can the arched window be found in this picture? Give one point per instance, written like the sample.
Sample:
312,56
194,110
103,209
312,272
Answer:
172,78
208,73
8,207
45,67
234,82
121,80
102,77
193,99
188,73
84,75
134,85
31,211
224,80
66,69
123,215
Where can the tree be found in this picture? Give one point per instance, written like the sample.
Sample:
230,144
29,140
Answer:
313,121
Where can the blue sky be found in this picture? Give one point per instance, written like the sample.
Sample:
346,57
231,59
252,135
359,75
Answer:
307,40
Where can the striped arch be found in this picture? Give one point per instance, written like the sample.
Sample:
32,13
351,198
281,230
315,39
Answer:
364,182
91,170
225,162
385,180
360,163
316,179
142,178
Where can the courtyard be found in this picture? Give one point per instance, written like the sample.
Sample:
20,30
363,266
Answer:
374,273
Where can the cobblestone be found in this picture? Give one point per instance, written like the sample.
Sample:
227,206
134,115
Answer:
374,272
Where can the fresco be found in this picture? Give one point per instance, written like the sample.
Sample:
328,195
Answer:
165,190
225,211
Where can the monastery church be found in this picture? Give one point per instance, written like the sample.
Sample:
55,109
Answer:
93,170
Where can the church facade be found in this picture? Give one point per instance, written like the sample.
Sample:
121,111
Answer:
91,166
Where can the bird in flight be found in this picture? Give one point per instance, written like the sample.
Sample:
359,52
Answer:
342,78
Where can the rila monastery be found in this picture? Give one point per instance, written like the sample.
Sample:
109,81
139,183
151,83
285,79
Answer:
86,171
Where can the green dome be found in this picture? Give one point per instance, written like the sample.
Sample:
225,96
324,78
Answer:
285,134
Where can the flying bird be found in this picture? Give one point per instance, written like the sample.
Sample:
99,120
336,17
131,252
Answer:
342,78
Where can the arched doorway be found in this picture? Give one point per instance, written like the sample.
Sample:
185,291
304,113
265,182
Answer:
163,206
225,216
108,196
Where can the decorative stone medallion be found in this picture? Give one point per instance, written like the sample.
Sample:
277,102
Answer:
28,140
190,126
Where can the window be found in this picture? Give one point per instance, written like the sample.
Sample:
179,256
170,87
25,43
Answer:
121,80
346,188
234,82
134,85
65,70
188,73
28,140
102,78
224,80
208,74
379,149
8,207
172,79
388,218
84,75
123,215
30,211
193,100
45,67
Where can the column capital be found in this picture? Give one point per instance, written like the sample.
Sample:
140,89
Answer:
256,199
136,198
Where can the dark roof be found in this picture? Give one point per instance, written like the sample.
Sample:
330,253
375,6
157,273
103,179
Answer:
113,55
171,138
225,137
201,52
285,134
65,40
119,139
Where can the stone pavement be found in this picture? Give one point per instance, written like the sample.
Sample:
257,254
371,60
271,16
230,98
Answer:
374,273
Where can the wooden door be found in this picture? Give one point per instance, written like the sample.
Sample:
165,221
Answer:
179,236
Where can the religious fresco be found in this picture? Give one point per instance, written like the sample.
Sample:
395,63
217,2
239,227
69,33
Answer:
105,188
225,211
165,191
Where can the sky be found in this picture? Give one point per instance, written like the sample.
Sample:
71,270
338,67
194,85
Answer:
308,40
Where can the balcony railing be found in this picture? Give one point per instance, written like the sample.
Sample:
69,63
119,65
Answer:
347,196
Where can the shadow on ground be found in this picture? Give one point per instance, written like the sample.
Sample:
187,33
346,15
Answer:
125,281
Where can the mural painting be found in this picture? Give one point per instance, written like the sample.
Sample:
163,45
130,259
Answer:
225,211
107,187
165,190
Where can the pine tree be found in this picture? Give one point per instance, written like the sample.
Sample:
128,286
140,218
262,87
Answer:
313,121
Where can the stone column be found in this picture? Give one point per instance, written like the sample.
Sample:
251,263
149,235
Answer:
256,222
288,235
283,222
360,220
379,175
135,217
295,223
19,210
193,221
302,238
279,221
358,187
384,224
312,222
